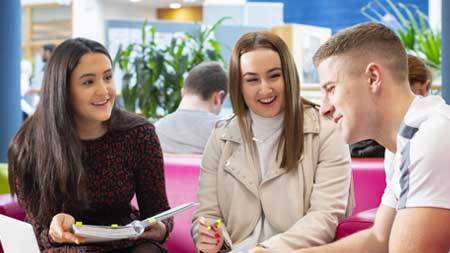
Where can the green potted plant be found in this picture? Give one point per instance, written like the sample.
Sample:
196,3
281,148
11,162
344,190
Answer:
153,76
413,28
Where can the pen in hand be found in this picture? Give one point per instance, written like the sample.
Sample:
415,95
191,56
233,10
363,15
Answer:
210,239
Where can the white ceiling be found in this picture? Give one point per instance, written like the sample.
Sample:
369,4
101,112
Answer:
160,3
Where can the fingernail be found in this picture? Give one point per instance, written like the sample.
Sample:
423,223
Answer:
215,226
216,235
209,227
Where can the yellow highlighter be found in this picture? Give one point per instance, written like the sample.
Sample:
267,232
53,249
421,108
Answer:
216,224
151,220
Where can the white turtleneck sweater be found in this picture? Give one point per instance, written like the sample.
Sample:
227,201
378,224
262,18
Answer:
266,135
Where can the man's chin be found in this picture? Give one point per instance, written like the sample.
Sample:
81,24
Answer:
354,140
351,139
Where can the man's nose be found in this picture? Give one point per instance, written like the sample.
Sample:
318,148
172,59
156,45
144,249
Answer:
326,109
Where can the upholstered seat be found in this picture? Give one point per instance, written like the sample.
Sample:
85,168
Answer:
182,174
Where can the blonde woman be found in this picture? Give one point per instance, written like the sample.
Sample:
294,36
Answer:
276,174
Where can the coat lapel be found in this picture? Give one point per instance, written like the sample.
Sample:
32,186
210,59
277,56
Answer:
245,170
237,165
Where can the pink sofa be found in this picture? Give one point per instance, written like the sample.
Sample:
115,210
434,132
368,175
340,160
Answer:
9,207
369,182
182,172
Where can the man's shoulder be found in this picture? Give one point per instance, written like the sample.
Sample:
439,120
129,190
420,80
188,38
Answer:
179,116
432,132
429,146
438,109
191,114
443,111
424,109
437,123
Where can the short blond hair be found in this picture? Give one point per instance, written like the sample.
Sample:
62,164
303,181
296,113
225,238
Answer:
370,39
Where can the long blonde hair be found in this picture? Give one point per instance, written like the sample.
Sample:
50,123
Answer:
291,142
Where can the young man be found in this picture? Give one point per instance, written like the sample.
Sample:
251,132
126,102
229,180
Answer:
187,130
47,52
364,77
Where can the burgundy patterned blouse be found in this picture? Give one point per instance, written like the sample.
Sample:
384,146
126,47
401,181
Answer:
119,164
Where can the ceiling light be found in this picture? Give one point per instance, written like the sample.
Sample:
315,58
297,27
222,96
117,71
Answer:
175,5
135,1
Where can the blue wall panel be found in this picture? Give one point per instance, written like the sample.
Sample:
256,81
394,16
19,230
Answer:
10,114
335,14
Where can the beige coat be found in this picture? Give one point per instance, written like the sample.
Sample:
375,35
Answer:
307,203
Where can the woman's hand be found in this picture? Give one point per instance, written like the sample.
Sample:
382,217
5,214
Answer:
61,229
209,240
156,232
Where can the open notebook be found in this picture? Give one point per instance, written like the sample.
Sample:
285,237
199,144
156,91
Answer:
96,233
17,236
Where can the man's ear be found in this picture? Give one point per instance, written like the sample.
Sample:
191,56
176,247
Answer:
219,97
216,101
374,76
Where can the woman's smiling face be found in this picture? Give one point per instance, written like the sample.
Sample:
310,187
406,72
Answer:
262,82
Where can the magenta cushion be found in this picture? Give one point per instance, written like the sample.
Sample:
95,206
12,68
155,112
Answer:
182,173
355,223
9,207
369,182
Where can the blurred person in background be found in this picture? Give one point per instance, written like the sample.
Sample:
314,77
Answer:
187,130
419,76
31,81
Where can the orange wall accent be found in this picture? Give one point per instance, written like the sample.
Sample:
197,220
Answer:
193,14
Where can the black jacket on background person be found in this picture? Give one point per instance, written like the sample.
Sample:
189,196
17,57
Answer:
367,148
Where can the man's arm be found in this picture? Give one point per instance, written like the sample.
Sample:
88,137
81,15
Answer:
421,230
375,239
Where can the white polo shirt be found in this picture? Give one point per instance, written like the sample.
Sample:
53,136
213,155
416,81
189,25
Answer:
418,174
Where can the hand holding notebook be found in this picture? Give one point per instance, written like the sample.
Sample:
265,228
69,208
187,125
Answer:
95,233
